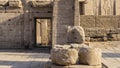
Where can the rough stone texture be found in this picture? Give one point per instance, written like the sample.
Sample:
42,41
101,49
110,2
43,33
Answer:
87,21
50,65
15,3
40,3
90,56
76,35
63,17
76,13
3,2
107,7
102,26
117,7
2,9
107,22
78,46
79,35
64,56
11,30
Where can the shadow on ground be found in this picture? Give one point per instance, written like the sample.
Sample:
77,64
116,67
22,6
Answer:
111,55
35,58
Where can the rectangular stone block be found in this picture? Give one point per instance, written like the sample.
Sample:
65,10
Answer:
13,10
117,7
87,21
107,22
41,10
15,3
50,65
96,32
89,8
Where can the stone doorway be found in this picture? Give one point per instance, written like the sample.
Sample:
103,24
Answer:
43,32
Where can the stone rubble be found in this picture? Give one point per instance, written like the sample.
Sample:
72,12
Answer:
64,56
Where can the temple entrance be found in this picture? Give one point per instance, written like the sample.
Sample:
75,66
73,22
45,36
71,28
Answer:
43,32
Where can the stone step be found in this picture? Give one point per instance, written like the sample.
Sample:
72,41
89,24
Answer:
50,65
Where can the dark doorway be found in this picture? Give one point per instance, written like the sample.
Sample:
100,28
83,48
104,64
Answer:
43,32
82,8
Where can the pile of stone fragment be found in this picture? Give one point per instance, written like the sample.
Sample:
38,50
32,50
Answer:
75,55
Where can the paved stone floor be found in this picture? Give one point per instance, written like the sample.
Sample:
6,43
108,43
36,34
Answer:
23,58
111,53
38,57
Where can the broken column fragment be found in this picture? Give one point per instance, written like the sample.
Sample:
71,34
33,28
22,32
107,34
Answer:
64,55
90,56
76,35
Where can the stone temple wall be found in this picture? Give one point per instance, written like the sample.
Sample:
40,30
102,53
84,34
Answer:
101,27
17,23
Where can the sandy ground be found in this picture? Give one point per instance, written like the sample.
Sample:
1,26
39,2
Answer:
110,52
23,58
37,59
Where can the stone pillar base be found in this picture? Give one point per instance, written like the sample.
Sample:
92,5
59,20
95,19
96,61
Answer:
50,65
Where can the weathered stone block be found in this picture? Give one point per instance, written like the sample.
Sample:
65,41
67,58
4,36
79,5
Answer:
15,3
40,3
50,65
13,10
117,7
118,37
87,39
64,56
76,35
90,56
107,22
3,2
2,9
87,21
107,7
113,37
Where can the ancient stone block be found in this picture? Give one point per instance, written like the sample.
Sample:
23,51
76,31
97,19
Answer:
117,7
87,21
88,10
114,37
90,56
13,10
97,32
79,35
50,65
118,37
64,56
3,2
78,46
2,9
108,22
15,3
40,3
87,39
107,7
76,35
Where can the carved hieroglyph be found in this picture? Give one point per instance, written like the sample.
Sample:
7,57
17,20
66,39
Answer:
107,7
117,7
102,7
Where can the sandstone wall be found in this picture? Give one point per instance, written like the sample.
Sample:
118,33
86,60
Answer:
101,26
102,7
17,24
63,17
